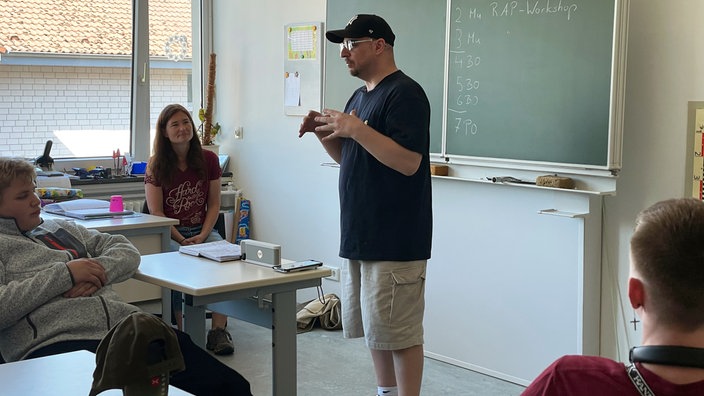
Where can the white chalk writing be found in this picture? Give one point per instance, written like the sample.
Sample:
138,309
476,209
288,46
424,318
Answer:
532,8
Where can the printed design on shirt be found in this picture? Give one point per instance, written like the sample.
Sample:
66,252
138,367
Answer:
196,218
60,240
185,196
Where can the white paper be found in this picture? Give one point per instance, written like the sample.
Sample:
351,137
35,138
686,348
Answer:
292,89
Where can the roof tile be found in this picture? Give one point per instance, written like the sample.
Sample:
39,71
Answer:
101,27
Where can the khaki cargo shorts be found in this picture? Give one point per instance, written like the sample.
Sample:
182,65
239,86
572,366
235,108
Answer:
384,302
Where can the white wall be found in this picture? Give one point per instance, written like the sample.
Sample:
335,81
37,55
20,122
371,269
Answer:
665,71
294,200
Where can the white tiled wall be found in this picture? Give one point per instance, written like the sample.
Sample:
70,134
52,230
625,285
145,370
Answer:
37,100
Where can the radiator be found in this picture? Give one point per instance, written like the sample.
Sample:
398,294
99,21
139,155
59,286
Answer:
134,205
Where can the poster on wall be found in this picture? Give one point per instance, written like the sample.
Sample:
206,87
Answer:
695,150
302,67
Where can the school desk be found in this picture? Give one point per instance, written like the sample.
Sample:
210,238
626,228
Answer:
65,374
250,292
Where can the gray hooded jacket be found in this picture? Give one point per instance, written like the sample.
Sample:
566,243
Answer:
34,276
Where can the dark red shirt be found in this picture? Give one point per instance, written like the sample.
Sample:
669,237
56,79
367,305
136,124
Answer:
597,376
188,198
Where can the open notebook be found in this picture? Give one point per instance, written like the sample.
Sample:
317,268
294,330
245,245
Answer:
85,208
218,250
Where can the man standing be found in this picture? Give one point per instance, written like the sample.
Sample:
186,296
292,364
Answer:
381,142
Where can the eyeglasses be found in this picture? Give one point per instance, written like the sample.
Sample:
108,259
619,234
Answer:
351,43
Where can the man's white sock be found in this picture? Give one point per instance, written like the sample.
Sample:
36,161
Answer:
386,391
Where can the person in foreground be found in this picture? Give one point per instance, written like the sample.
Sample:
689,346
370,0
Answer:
183,182
55,278
666,289
381,142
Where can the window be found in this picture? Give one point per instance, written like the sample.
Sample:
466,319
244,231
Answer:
66,73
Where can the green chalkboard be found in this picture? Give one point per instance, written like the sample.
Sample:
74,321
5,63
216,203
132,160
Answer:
419,51
532,81
536,81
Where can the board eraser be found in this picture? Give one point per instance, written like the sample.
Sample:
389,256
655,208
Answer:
554,181
439,170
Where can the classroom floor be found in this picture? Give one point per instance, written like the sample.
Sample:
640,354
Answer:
328,364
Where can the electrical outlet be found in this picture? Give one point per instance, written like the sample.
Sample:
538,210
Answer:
239,131
335,276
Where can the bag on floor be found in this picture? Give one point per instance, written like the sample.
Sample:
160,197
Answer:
327,312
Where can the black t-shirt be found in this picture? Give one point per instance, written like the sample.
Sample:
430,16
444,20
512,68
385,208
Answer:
384,214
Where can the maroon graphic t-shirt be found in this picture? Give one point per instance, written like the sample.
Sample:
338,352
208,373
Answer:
187,199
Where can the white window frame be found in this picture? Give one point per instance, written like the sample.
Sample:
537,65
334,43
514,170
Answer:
201,14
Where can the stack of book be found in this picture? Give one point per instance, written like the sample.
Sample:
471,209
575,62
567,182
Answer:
84,208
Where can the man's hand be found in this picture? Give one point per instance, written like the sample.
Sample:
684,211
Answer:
338,124
83,289
309,124
87,270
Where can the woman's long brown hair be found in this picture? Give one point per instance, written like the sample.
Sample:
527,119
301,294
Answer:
163,163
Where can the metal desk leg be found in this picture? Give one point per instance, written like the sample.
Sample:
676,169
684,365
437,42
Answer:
165,238
284,343
194,323
166,305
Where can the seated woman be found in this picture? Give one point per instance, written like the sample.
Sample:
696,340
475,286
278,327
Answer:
182,181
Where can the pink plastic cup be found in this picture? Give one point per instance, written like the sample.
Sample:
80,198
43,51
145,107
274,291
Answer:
116,203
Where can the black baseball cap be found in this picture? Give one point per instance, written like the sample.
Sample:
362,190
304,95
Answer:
137,355
363,25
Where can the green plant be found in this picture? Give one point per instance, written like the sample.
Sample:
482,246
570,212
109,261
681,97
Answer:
214,129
